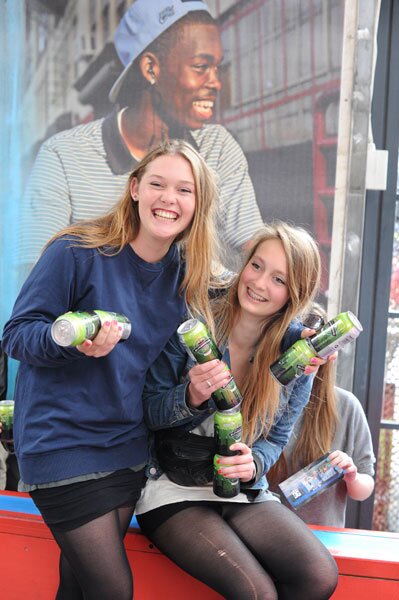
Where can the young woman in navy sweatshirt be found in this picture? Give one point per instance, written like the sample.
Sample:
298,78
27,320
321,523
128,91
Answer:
80,438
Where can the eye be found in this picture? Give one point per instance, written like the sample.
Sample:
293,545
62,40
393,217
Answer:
255,265
186,190
201,68
155,184
279,280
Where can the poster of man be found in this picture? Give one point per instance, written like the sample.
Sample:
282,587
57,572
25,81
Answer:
254,85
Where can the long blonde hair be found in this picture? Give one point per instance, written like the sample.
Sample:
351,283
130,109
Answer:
116,229
260,391
319,421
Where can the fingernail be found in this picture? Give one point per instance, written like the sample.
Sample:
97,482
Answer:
307,370
107,323
120,328
218,461
87,343
313,361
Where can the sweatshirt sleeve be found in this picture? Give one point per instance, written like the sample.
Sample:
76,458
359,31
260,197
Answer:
48,292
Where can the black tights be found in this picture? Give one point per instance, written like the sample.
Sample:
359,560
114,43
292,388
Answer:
93,561
249,552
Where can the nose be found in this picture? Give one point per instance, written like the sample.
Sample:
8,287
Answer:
262,283
213,79
168,196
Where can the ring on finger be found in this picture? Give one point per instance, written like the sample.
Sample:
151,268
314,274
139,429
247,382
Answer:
208,383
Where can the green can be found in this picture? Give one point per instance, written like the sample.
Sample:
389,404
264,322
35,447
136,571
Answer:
73,328
202,348
293,362
336,334
199,344
7,420
228,431
223,486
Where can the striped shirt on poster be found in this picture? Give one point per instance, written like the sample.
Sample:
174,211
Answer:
82,172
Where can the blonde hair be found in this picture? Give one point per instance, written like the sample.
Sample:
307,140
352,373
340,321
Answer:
115,230
319,421
260,391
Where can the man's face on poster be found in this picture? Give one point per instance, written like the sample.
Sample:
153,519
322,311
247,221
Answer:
189,78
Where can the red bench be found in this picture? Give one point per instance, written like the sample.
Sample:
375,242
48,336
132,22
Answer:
368,561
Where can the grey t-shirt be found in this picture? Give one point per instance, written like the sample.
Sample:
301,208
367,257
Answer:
353,437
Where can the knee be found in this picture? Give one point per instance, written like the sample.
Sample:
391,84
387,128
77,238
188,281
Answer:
325,580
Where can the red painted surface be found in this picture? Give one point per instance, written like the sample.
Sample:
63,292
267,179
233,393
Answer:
368,562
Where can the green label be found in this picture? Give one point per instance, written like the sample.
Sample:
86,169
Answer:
228,431
7,420
224,487
293,362
336,334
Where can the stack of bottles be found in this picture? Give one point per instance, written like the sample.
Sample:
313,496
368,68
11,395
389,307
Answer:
227,419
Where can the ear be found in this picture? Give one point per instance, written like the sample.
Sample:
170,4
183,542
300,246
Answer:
149,67
134,189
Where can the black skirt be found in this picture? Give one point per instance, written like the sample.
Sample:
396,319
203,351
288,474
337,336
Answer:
69,506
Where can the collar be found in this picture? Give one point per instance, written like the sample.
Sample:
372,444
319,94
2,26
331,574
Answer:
117,153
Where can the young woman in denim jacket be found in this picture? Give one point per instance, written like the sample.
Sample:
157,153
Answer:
249,546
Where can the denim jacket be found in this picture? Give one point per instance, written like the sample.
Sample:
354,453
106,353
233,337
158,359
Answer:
164,400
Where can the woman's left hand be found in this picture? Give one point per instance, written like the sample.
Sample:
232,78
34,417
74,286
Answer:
105,341
316,361
345,462
240,465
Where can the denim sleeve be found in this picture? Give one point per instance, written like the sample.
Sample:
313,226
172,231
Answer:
292,401
164,396
292,335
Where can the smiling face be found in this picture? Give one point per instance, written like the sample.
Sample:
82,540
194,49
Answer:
166,200
188,81
262,289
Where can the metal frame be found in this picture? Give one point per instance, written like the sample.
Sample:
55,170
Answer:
368,383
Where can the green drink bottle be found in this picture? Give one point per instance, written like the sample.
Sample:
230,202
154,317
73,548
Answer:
223,486
7,424
228,431
73,328
333,336
201,347
336,334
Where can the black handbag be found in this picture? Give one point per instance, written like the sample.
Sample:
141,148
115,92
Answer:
186,458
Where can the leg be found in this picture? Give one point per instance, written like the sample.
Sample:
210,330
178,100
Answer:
301,565
203,544
69,587
97,559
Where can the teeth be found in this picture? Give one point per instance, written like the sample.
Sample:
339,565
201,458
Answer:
204,103
254,296
165,214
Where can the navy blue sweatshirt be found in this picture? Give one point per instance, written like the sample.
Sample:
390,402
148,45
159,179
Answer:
76,414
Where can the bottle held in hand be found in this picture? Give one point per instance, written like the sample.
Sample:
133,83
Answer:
73,328
333,336
201,347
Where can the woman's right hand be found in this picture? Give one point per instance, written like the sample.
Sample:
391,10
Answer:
105,341
204,380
